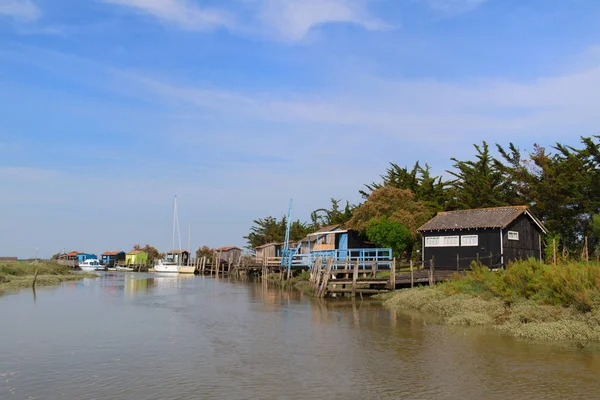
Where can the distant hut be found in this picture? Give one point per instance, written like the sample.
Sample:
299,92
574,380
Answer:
136,257
494,236
179,257
8,259
333,237
229,254
112,258
268,250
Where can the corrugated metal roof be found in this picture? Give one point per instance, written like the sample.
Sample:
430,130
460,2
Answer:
497,217
328,228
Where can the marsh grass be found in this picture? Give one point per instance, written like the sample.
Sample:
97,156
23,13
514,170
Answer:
15,275
528,299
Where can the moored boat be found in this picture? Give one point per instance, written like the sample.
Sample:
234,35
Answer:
124,269
90,265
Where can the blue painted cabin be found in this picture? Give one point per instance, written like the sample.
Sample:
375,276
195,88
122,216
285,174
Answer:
112,258
81,257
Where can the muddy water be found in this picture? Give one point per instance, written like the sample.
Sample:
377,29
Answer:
135,336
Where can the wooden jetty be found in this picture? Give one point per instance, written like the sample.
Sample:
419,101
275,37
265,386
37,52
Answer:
365,278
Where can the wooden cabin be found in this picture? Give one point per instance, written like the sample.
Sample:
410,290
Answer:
8,259
179,257
268,250
136,257
229,254
333,237
112,258
492,236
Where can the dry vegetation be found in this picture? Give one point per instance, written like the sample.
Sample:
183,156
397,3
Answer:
528,299
15,275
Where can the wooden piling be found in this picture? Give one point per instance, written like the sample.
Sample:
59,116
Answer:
34,279
412,275
393,275
354,278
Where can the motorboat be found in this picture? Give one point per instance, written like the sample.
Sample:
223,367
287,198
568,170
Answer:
90,265
166,266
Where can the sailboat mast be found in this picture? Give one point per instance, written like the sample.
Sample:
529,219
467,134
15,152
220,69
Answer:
174,217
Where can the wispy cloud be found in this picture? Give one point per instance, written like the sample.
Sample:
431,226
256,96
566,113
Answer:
293,19
453,7
23,10
182,13
25,174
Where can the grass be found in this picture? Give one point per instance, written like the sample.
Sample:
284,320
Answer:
528,299
15,275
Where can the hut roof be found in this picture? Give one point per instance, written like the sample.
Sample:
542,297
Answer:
178,252
111,253
480,218
228,248
267,245
136,252
73,253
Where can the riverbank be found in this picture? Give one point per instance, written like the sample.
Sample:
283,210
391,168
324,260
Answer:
299,282
15,275
528,299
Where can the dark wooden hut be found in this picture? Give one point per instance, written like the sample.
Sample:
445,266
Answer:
494,236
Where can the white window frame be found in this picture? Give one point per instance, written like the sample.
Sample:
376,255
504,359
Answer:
442,241
513,235
469,240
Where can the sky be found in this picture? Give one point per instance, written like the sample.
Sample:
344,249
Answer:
110,108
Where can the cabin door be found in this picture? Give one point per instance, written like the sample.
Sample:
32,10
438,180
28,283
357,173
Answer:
343,246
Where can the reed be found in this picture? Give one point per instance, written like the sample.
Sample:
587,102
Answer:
16,275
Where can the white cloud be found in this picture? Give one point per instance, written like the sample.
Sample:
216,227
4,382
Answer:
293,19
182,13
24,10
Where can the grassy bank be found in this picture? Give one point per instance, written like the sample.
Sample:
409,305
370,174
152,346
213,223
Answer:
15,275
299,282
528,300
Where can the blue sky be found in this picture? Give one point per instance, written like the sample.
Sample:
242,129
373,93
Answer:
110,107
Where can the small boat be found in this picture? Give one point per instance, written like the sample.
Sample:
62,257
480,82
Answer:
90,265
124,269
166,266
187,270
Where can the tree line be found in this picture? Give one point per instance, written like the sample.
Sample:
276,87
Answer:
560,184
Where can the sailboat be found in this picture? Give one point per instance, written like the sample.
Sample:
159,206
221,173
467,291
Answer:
170,266
188,269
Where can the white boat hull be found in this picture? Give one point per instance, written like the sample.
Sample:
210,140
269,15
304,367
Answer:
186,270
166,268
91,268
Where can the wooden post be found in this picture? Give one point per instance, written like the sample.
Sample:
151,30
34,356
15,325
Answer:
393,275
431,272
374,269
587,254
457,263
412,275
34,279
326,276
554,251
354,278
477,258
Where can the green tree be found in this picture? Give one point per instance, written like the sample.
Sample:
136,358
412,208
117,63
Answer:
387,233
478,183
398,205
204,251
270,230
430,190
332,216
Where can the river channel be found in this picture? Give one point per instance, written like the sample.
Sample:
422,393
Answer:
139,336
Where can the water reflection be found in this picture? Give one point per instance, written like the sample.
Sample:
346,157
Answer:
151,336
